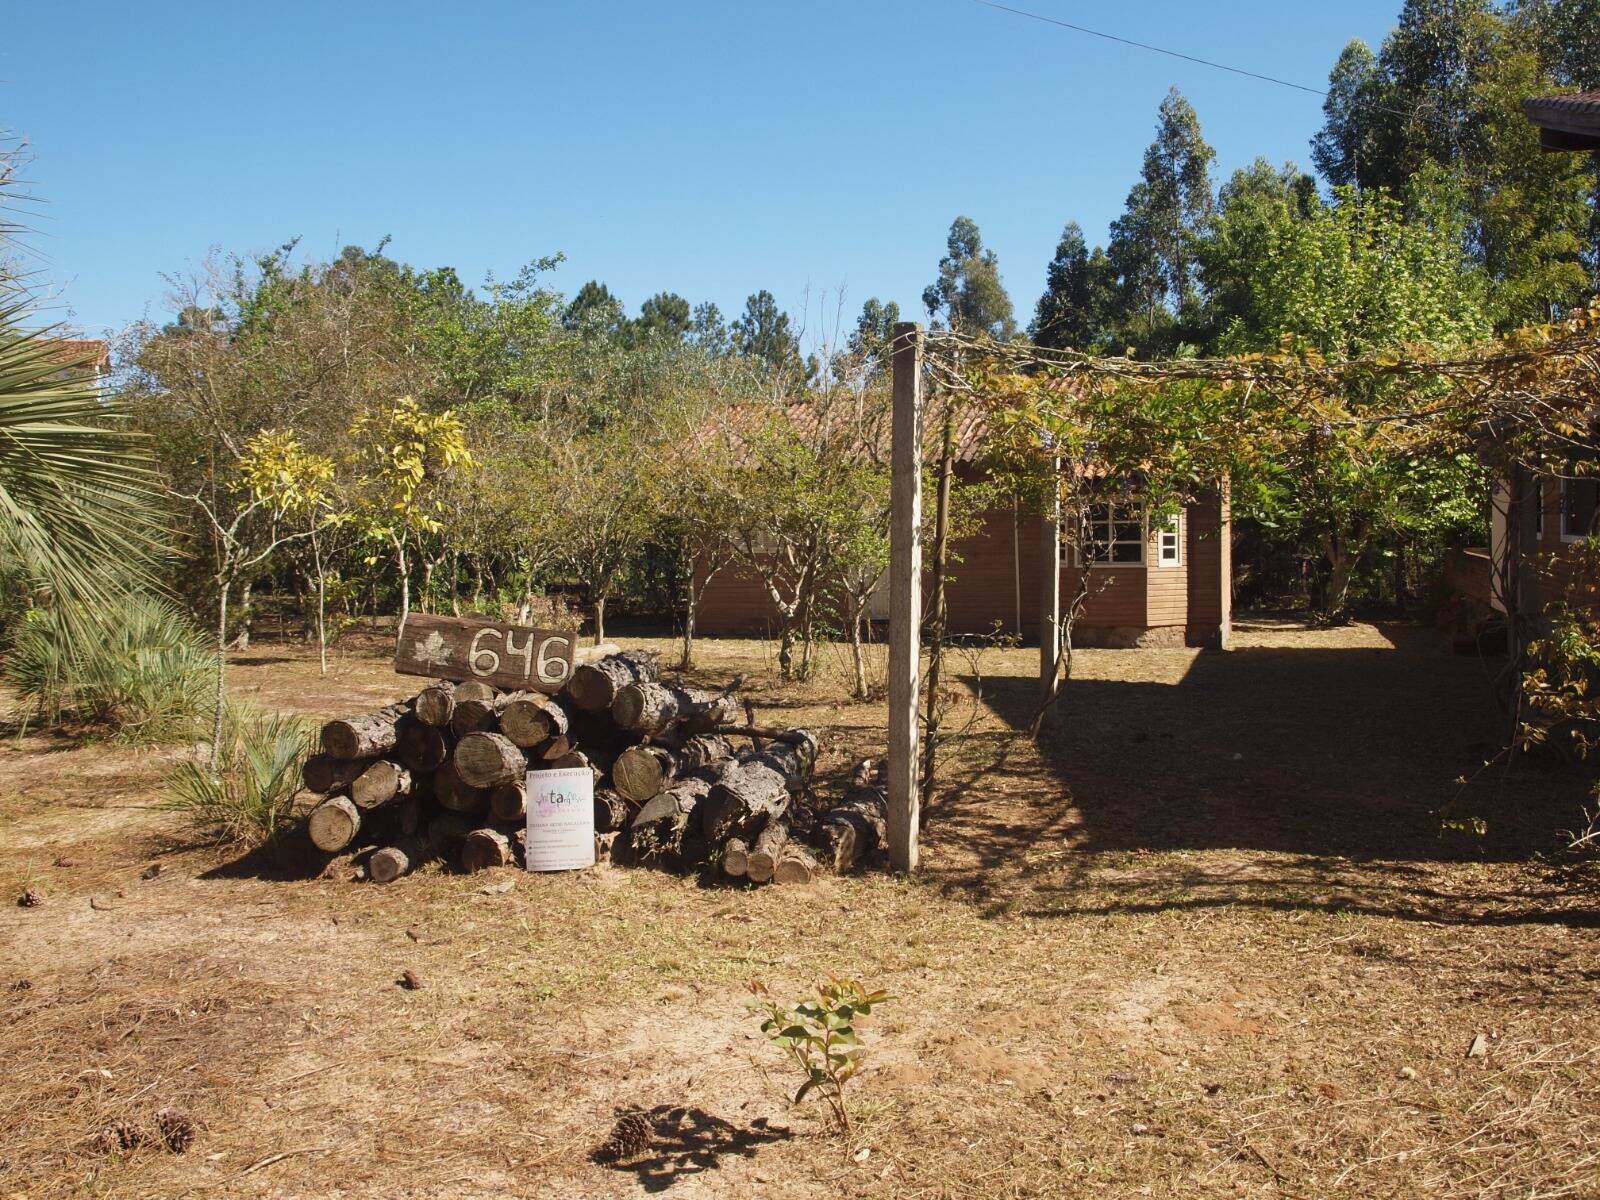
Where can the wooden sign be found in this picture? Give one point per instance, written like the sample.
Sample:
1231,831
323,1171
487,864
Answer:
507,656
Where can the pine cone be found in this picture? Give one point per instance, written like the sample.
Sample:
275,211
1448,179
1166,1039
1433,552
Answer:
118,1135
31,898
629,1136
176,1129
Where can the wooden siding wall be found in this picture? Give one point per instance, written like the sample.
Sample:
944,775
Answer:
983,587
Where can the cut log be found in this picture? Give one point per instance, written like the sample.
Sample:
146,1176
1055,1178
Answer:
475,689
380,783
333,824
795,865
652,708
529,718
704,751
611,811
475,716
508,802
641,772
763,858
446,833
664,831
324,773
752,792
421,746
486,760
853,830
453,794
366,736
735,858
557,747
435,703
595,685
482,849
388,863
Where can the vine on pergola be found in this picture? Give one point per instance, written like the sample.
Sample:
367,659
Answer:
1078,431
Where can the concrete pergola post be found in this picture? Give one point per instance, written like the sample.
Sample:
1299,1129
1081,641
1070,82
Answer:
905,597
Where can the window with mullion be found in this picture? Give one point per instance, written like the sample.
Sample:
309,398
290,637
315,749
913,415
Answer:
1115,535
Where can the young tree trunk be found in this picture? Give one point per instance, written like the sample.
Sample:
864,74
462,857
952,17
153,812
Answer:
222,672
858,652
322,603
599,618
403,565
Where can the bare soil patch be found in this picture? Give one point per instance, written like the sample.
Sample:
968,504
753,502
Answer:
1210,943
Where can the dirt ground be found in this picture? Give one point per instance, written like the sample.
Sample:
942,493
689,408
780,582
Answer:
1210,942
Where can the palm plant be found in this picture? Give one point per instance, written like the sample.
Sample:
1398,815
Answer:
76,489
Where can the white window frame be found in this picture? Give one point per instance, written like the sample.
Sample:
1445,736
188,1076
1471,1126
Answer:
1567,537
1173,530
1110,522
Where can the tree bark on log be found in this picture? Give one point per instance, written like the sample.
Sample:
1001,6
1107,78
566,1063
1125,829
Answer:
388,863
380,783
529,718
486,760
753,791
642,772
435,703
611,811
446,832
421,746
664,829
854,829
508,802
484,848
763,858
795,865
475,716
475,689
735,858
653,708
366,736
323,773
454,794
595,685
333,824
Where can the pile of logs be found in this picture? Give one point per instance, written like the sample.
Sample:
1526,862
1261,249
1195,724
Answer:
683,779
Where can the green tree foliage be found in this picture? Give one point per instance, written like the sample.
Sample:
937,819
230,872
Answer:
765,332
969,296
1346,149
595,312
1152,243
1079,304
1347,280
664,315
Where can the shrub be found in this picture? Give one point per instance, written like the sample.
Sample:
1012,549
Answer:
818,1033
136,667
249,798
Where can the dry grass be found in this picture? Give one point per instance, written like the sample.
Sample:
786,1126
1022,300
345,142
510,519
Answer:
1193,974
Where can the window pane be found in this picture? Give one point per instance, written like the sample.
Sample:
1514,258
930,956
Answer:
1581,497
1125,552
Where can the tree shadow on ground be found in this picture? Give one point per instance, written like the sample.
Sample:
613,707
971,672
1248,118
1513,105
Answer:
1318,765
686,1140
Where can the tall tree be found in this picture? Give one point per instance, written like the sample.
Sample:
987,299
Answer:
707,330
1346,149
1153,242
765,332
968,296
1079,301
664,315
594,311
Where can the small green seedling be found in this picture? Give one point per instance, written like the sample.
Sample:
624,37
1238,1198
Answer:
819,1033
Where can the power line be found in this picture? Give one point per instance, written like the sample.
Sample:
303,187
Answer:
1111,37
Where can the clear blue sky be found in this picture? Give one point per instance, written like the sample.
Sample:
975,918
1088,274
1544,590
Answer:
709,148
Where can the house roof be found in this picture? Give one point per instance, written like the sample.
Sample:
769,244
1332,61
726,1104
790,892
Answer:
90,352
1569,122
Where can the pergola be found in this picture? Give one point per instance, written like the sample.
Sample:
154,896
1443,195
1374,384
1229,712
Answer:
1566,122
1531,393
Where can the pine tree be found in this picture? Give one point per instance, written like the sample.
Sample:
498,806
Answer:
1079,298
765,332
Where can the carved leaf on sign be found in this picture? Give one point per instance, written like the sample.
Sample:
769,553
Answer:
433,651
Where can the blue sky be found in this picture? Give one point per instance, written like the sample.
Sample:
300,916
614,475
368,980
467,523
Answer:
709,148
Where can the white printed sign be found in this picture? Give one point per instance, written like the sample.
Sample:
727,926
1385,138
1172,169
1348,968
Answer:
561,819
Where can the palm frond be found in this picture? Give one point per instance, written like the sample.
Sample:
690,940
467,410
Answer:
78,493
